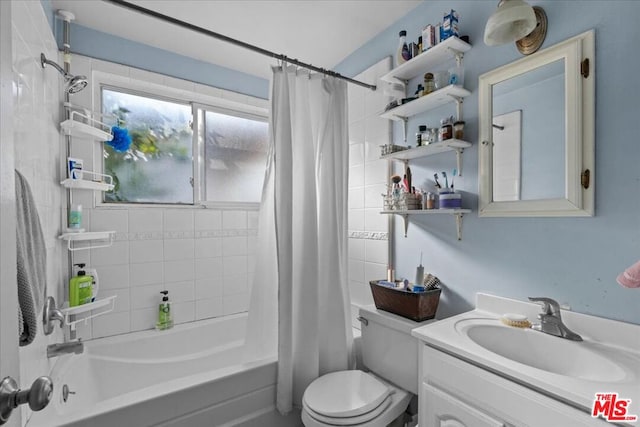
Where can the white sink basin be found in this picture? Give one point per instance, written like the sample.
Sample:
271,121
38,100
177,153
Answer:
536,349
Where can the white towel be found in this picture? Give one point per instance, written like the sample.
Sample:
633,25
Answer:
31,262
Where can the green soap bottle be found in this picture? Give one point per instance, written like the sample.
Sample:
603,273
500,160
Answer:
165,321
80,288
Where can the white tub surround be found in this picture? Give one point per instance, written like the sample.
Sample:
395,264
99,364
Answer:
194,374
565,374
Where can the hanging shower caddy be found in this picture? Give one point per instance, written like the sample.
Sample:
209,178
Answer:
83,123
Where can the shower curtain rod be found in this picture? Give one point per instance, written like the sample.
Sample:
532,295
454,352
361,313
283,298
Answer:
236,42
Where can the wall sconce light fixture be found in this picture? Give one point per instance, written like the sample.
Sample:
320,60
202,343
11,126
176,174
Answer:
517,21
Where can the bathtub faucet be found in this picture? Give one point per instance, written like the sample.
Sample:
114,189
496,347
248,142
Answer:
54,350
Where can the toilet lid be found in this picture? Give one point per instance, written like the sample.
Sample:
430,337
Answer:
349,421
345,394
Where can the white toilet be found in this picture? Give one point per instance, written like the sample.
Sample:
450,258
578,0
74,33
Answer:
375,398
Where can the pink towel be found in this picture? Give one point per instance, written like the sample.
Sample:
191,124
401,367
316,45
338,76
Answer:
630,278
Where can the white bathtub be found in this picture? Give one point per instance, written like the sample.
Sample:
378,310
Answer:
195,374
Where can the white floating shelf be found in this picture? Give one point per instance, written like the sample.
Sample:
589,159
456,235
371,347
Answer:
429,150
425,103
106,237
67,312
83,184
428,212
84,126
87,235
438,54
88,180
88,307
455,212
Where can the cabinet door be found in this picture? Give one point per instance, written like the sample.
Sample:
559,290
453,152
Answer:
440,409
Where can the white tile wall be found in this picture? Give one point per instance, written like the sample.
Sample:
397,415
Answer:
146,273
145,220
367,180
178,220
208,247
208,287
209,307
175,271
114,277
38,146
252,220
234,246
207,219
179,249
232,220
203,257
118,253
209,268
146,251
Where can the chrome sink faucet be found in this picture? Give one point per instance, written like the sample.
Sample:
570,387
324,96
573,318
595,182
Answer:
76,347
551,321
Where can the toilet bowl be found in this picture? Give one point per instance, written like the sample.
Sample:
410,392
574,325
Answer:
375,398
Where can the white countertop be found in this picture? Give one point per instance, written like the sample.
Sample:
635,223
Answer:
619,342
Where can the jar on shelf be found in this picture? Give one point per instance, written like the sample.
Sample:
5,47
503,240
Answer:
446,130
429,84
421,136
430,201
458,129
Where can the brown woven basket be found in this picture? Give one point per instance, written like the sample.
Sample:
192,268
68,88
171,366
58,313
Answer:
417,306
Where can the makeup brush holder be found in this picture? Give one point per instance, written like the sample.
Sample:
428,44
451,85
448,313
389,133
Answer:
402,202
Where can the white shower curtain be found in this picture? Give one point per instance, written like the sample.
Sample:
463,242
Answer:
301,273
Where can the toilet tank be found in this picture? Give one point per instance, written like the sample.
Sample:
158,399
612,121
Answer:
388,349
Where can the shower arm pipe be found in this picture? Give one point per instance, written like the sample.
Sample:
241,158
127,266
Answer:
236,42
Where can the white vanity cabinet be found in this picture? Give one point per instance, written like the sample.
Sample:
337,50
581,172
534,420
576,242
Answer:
456,393
442,409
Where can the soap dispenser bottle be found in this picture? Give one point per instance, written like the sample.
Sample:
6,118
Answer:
80,287
165,321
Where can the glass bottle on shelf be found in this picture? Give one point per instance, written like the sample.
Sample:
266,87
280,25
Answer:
402,54
429,84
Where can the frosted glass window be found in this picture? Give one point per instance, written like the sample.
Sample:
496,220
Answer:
235,157
158,167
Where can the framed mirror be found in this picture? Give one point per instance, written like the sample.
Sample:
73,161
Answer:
537,114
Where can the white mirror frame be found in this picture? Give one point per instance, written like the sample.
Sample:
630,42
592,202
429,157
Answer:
579,132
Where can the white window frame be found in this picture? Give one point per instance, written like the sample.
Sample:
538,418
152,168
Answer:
174,93
200,174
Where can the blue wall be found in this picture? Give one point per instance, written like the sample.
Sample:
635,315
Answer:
574,260
96,44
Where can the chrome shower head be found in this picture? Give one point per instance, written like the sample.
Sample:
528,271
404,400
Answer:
74,83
